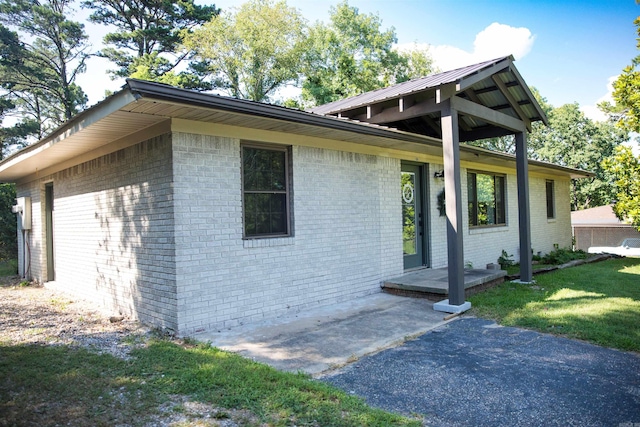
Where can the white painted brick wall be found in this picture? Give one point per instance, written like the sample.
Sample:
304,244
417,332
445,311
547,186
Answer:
346,209
113,231
485,245
121,241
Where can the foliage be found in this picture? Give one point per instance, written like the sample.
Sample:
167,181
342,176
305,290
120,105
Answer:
626,93
148,36
573,140
597,302
353,55
624,168
40,62
562,256
505,260
507,144
416,62
8,223
254,50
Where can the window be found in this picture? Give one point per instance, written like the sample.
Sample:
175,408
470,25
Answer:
486,199
265,191
551,206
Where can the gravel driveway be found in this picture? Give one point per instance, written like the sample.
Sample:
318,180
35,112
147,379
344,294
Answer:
472,372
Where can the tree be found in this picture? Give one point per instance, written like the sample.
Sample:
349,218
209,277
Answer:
41,61
626,93
353,55
254,50
8,223
11,54
415,62
507,144
624,167
574,140
148,36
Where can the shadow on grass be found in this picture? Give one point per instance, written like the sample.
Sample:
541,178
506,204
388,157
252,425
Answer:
56,385
598,302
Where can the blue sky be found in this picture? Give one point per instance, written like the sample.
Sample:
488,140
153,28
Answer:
569,50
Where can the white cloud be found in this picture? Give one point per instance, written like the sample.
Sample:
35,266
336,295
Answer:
592,111
493,42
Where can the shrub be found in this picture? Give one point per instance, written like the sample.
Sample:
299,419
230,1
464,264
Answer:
562,256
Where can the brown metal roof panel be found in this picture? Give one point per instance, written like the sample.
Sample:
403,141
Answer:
401,89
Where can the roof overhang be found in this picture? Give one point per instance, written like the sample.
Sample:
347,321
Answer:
145,107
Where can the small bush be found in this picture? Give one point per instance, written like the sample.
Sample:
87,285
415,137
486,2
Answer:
505,260
562,256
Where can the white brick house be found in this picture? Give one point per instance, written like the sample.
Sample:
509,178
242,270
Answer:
192,211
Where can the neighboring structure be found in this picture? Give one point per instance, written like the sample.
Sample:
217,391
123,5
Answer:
599,226
193,211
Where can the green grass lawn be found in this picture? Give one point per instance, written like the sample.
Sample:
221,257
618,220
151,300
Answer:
598,302
57,385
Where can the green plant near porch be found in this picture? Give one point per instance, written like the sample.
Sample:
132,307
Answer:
505,260
598,302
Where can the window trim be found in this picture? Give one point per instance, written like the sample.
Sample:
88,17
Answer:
551,201
474,199
286,149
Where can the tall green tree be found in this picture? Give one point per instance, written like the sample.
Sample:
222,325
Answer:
506,144
253,50
626,93
352,55
12,53
8,223
574,140
147,41
42,59
624,168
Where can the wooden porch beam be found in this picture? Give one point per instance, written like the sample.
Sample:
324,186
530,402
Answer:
484,133
481,75
391,115
404,103
514,103
487,114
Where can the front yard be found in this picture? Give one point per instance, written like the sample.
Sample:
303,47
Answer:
598,302
63,364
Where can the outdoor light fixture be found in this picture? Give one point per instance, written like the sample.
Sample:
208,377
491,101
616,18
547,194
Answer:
439,175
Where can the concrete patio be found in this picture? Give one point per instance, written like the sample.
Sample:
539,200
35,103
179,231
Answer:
433,283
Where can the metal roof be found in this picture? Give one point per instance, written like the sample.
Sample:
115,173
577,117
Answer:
392,92
495,84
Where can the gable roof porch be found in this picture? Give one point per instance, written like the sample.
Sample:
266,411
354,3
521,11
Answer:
484,100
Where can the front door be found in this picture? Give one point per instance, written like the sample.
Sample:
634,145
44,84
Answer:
412,216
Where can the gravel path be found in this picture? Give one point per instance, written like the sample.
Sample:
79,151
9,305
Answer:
36,315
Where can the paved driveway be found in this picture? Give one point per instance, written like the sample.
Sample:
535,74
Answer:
471,372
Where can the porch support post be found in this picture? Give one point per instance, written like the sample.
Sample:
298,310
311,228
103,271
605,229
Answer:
524,215
453,192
